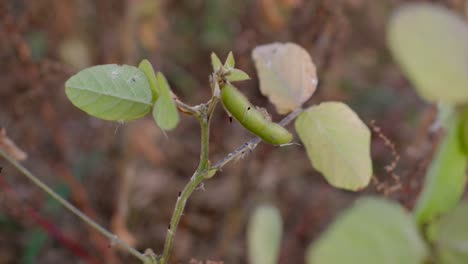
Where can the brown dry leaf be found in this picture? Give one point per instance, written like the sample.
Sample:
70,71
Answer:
287,74
10,147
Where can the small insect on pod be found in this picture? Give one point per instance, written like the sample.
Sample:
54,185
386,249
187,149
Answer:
251,118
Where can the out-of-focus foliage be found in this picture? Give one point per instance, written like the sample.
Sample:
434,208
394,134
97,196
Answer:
450,236
445,179
372,231
264,235
430,44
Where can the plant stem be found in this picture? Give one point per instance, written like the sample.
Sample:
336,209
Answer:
196,179
204,116
113,238
185,108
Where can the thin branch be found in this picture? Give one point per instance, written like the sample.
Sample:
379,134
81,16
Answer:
204,116
178,211
113,238
252,144
185,108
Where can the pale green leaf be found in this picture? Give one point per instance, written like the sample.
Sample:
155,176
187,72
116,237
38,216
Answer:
264,235
165,111
450,236
147,68
372,231
445,179
230,62
215,62
236,75
287,74
337,143
430,43
110,92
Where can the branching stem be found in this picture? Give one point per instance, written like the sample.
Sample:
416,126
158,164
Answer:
203,113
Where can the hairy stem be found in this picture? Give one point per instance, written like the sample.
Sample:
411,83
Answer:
204,169
113,238
204,117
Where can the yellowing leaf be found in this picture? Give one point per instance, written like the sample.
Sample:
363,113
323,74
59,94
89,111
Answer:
337,143
372,231
165,111
430,43
287,75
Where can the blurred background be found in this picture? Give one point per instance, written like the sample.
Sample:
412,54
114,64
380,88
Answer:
127,176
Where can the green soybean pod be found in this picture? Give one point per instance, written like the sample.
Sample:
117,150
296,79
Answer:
253,120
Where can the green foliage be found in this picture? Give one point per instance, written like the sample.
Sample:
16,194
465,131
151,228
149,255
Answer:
372,231
147,68
252,119
236,75
111,92
464,132
165,112
450,236
264,235
445,180
337,143
287,75
430,43
230,62
227,71
215,62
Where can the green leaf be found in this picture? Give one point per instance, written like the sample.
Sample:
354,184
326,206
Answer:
464,133
287,74
215,62
264,235
445,179
374,230
110,92
236,75
165,111
230,62
148,70
337,143
450,236
430,44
